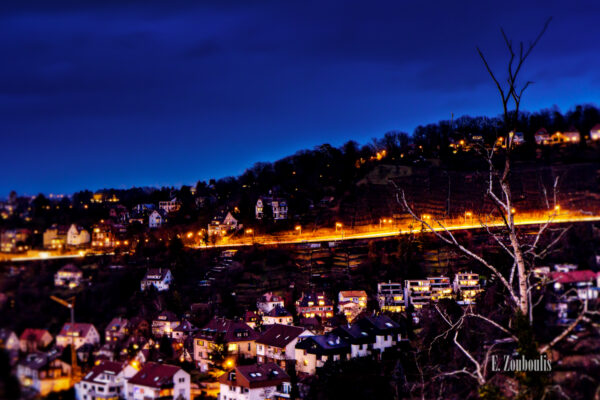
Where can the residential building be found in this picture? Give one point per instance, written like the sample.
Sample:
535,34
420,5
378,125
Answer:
78,334
441,287
69,276
44,373
55,237
314,305
390,296
360,340
77,236
313,352
386,332
595,133
269,301
237,337
417,292
116,330
164,324
466,286
277,344
251,318
156,219
183,331
9,342
572,135
351,303
278,315
104,235
154,381
160,278
14,240
255,382
170,206
222,224
569,290
34,340
277,205
106,381
542,137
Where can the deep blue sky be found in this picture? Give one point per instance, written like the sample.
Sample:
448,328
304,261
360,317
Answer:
101,93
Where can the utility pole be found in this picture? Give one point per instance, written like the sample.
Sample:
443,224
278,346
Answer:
70,304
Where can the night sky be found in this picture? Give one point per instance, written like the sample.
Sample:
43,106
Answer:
97,94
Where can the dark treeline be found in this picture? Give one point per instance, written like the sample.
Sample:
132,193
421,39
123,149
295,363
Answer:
309,175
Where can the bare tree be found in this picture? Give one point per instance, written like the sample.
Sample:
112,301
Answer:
518,282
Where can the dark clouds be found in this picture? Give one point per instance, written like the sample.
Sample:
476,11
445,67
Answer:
138,92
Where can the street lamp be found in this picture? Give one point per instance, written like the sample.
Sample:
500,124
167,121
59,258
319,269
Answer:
468,214
299,229
338,225
250,231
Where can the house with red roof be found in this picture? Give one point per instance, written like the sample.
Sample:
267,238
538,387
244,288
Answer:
164,324
277,344
77,334
155,381
232,338
258,381
105,381
570,289
116,329
34,339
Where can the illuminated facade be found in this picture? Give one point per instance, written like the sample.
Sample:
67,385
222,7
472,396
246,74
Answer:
314,305
390,297
466,286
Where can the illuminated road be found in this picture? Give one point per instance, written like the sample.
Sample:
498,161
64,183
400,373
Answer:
331,235
375,233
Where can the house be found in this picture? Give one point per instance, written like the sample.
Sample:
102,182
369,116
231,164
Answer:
116,330
9,342
105,381
572,135
237,338
77,236
360,340
119,213
55,237
160,278
570,289
104,235
352,302
170,206
277,344
251,318
222,223
69,276
269,301
518,138
156,219
44,373
78,334
14,240
314,305
387,332
542,137
595,133
164,324
34,340
255,382
155,381
278,315
417,292
466,286
390,296
277,205
440,287
314,351
183,331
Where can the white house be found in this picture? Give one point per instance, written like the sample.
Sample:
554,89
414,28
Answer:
155,381
278,315
313,352
222,223
170,205
278,206
352,302
105,381
164,324
77,236
390,296
156,219
277,344
116,329
255,382
160,278
79,334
